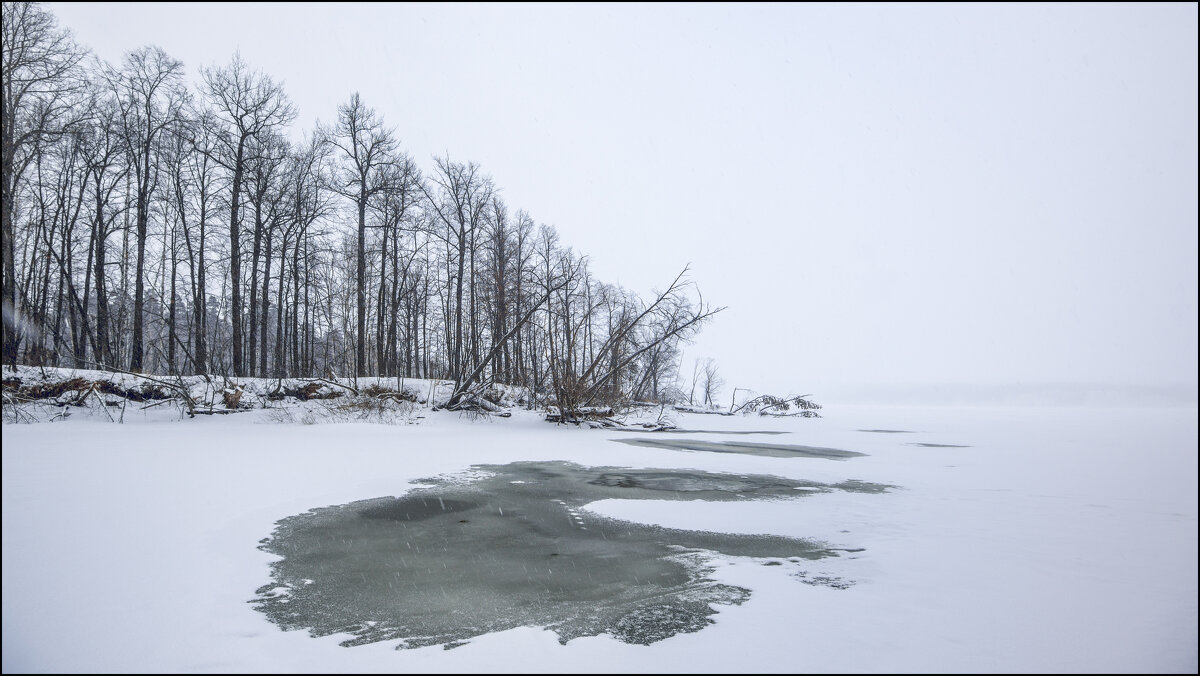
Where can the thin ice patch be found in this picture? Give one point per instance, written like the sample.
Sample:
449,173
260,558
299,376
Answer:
514,548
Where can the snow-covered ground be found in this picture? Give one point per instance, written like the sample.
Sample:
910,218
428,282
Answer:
1058,539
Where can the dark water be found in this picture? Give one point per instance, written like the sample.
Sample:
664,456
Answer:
444,564
751,448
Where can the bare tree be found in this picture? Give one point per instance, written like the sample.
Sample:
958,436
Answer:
37,70
395,206
713,382
102,150
250,104
200,130
463,195
306,189
149,94
500,263
671,315
695,381
268,151
367,147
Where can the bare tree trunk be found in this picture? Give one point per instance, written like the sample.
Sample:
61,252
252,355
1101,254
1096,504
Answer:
296,338
394,315
456,362
100,232
235,254
201,295
381,354
171,336
252,344
12,334
474,333
139,293
361,287
280,346
266,305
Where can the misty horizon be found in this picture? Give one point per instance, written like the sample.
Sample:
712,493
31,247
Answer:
1060,142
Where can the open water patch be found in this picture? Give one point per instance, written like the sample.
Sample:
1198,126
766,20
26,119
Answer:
510,547
751,448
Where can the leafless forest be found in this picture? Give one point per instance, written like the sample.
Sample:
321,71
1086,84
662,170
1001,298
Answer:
159,226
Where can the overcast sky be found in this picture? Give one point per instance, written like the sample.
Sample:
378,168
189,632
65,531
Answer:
882,195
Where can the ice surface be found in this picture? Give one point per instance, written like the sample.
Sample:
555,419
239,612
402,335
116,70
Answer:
1064,539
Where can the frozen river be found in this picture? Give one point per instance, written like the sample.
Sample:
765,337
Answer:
946,539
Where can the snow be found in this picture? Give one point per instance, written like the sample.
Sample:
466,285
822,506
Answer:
1061,539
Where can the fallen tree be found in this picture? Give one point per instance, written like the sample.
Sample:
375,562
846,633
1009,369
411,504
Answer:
670,317
770,405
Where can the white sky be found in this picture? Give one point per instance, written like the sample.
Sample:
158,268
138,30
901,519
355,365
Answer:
882,194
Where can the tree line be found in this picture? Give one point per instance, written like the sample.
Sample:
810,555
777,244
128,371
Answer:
155,226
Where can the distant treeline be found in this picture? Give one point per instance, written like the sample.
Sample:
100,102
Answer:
154,227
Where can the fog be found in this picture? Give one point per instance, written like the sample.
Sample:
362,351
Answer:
891,200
